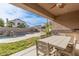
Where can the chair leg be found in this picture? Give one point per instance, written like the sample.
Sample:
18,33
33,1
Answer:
37,49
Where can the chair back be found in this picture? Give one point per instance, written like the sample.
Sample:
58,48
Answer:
43,48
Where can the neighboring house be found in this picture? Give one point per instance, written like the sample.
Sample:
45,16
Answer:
40,27
17,22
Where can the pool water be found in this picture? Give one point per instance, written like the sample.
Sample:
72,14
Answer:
6,37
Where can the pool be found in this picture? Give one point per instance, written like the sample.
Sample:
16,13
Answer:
8,37
4,37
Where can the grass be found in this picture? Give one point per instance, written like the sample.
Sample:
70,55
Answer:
10,48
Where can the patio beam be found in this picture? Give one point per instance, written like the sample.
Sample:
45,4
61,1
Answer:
34,7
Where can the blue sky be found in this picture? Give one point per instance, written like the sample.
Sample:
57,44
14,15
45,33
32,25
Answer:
11,12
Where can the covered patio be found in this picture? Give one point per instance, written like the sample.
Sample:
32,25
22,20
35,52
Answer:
64,16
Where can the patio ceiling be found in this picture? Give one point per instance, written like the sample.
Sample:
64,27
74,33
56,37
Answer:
56,11
67,16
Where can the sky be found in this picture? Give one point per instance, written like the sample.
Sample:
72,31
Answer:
11,12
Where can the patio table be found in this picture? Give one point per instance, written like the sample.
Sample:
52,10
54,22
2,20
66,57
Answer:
60,42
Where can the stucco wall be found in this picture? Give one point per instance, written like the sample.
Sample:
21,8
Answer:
57,26
16,30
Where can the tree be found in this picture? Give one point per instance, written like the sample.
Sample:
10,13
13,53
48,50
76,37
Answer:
10,24
1,23
48,28
21,25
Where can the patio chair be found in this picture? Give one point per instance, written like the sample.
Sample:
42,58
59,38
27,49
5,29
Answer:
68,51
77,48
71,42
44,49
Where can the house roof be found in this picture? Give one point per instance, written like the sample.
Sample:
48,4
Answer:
18,19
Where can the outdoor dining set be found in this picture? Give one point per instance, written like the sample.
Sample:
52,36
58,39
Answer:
56,46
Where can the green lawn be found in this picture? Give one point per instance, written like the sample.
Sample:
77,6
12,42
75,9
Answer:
10,48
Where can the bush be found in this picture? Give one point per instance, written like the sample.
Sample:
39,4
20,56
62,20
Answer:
1,23
10,24
22,25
